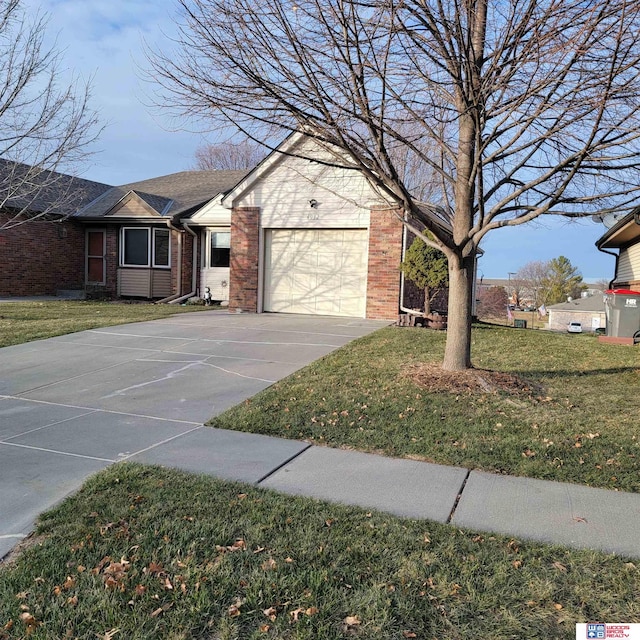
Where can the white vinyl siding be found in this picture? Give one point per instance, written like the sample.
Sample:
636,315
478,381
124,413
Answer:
316,271
215,272
629,264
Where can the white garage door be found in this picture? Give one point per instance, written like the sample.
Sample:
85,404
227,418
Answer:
316,271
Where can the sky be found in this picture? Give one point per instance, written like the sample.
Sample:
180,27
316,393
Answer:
104,42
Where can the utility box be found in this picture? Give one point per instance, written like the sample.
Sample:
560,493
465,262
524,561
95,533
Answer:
622,309
520,324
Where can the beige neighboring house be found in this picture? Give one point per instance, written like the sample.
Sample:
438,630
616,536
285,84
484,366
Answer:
588,310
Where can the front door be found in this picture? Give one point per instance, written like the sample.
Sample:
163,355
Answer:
95,267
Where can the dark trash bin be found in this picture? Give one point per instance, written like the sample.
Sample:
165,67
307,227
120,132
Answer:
622,310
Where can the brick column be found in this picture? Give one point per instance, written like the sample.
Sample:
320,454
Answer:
243,280
385,255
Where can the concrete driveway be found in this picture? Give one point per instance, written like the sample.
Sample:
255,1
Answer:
72,405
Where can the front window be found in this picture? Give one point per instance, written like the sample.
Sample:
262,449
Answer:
161,247
145,247
219,249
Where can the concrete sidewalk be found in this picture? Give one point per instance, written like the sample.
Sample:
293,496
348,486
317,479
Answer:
72,405
552,512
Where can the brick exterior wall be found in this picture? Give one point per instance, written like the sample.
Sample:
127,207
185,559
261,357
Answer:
243,281
38,258
385,255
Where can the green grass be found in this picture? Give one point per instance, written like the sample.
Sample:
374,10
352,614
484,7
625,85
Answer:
144,553
580,424
25,321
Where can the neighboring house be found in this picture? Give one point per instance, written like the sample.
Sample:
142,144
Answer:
46,254
294,235
588,310
624,236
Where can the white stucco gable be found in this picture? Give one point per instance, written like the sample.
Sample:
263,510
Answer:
301,174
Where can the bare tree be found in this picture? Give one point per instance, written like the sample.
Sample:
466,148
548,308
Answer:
45,123
531,278
229,156
519,109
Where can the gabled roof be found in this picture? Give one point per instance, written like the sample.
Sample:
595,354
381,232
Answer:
172,195
28,188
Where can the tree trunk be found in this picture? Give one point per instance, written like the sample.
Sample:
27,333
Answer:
427,301
457,354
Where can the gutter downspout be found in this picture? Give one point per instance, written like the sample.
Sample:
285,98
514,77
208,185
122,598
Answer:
173,297
617,257
194,261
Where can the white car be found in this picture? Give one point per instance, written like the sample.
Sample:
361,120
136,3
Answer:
574,327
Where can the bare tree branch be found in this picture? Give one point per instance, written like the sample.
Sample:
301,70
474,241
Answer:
517,109
45,125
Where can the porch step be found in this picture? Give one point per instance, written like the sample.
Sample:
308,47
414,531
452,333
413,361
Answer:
71,294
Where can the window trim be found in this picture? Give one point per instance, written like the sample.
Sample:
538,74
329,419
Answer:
207,245
151,248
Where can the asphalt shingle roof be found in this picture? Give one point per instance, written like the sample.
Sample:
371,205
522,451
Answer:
590,303
23,187
172,195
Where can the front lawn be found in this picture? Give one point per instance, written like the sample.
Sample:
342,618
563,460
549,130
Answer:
25,321
145,553
575,420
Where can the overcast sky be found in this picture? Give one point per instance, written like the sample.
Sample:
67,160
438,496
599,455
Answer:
103,40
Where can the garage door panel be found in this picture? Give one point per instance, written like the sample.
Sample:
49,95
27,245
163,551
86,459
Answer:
316,271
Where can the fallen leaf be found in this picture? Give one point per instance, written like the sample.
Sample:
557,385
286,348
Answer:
270,613
72,601
108,635
352,621
264,628
140,589
166,583
559,567
557,606
233,611
269,565
29,621
165,607
311,611
630,565
295,614
69,583
528,453
409,634
154,568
